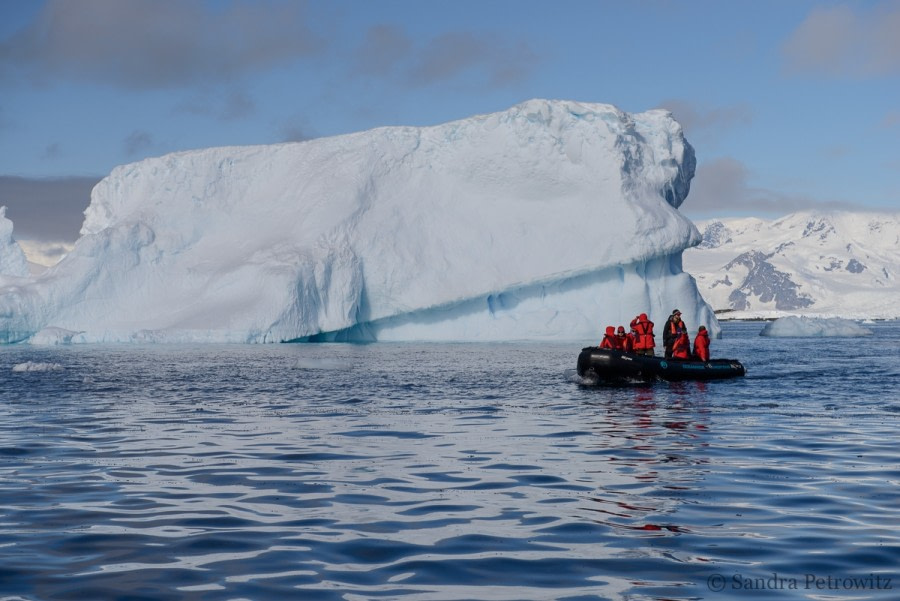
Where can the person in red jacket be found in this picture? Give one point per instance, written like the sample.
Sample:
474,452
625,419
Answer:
701,344
609,339
681,347
626,341
644,342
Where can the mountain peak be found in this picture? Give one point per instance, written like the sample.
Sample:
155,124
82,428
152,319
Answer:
829,264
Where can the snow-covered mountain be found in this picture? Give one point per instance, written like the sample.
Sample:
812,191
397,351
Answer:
837,264
549,220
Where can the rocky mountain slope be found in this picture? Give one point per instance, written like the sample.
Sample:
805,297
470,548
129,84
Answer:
827,264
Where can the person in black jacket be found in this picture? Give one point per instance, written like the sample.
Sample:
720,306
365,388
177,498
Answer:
672,330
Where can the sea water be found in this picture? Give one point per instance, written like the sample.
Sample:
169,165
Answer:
448,471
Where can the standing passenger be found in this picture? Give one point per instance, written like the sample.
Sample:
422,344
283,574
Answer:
644,341
672,330
701,344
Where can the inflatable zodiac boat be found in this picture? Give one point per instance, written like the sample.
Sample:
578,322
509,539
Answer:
608,364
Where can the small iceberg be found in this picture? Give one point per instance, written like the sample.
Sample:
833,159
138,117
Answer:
36,366
810,327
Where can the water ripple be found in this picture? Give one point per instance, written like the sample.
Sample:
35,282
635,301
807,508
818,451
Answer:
443,472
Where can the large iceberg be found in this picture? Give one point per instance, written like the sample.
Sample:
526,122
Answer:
549,220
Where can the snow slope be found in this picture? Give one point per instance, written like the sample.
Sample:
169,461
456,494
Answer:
836,264
549,220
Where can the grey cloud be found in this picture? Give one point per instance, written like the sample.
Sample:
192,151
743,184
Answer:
137,142
48,210
846,41
389,51
296,133
238,105
513,64
201,106
835,152
164,43
720,187
708,122
384,48
448,55
296,128
891,119
233,105
452,53
52,151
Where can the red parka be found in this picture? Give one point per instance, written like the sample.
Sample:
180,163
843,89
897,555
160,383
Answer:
701,345
681,348
626,341
643,333
609,339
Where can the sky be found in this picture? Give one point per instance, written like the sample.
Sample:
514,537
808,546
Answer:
789,105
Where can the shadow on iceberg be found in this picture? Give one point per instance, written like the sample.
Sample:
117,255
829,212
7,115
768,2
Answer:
561,309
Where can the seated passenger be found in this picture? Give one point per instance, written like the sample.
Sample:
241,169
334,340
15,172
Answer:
701,344
609,339
681,347
626,341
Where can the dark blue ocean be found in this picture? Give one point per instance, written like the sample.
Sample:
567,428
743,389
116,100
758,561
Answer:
448,472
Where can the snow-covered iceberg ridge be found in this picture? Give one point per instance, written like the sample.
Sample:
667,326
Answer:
549,220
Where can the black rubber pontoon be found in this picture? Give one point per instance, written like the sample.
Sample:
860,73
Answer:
608,364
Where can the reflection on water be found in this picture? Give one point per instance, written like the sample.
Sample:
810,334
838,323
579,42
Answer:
444,472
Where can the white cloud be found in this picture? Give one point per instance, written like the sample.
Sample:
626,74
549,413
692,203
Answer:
44,254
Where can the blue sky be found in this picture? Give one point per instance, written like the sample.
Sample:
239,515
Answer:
789,104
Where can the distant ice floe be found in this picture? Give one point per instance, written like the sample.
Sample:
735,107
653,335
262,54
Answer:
318,363
36,366
810,327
